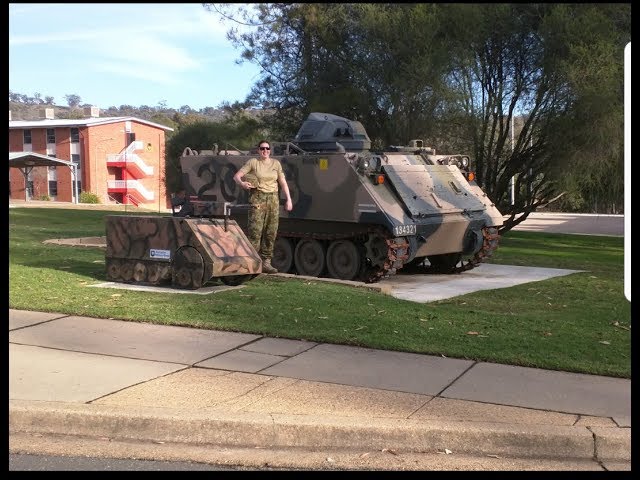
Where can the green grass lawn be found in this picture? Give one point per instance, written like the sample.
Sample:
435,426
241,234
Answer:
578,323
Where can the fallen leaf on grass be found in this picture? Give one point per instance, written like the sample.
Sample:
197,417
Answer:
472,333
364,455
116,295
493,456
617,324
324,318
360,328
604,342
393,452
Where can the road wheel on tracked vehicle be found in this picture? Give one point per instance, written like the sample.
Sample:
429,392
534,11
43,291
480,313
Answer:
114,266
310,258
344,260
282,259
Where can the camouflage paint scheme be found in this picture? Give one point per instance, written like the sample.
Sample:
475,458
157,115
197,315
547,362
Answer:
186,252
357,214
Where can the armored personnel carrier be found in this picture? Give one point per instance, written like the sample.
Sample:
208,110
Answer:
357,214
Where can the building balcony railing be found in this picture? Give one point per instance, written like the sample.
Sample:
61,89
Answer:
131,162
131,187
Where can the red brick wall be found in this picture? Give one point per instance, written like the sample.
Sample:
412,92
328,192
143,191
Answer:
96,142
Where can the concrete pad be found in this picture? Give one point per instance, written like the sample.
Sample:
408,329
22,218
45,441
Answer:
23,318
279,346
314,398
191,389
466,411
163,343
37,373
429,288
150,288
363,367
241,361
535,388
197,388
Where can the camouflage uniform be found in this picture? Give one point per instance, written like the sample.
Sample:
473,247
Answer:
263,221
264,216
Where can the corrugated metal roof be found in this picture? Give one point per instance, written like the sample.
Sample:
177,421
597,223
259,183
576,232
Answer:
81,122
31,159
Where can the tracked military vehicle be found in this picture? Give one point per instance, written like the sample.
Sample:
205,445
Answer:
357,214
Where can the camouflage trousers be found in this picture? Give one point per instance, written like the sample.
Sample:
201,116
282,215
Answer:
263,219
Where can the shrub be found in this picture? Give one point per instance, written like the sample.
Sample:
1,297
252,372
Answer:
44,198
88,197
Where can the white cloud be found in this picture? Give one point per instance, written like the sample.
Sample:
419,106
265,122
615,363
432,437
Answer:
85,47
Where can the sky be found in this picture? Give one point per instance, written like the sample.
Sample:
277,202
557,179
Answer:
125,54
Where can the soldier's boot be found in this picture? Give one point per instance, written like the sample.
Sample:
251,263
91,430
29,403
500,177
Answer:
267,267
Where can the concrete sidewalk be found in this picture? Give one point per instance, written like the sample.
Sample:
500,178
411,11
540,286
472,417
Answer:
149,384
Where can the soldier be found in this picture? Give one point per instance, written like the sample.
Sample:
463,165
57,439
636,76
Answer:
264,214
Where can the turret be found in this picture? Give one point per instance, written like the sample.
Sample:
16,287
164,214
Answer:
324,132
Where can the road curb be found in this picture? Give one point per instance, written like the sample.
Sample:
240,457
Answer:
261,430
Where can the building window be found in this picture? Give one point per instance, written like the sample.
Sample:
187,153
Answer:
79,183
53,188
75,158
51,135
26,135
52,155
75,135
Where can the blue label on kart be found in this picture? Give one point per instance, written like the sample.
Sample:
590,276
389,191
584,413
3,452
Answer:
161,254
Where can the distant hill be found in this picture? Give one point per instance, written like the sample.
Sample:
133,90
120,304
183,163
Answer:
31,111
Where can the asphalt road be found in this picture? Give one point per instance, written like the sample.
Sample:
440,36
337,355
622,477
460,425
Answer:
574,223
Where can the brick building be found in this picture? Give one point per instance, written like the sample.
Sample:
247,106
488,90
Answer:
120,159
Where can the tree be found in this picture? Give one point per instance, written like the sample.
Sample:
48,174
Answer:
530,62
238,130
470,76
73,100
